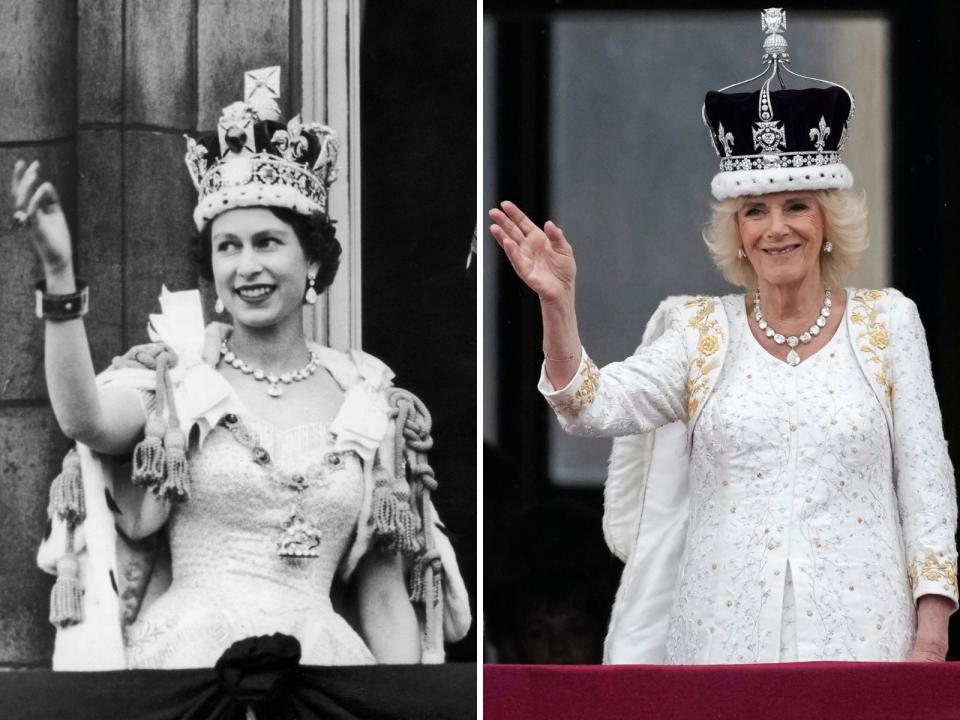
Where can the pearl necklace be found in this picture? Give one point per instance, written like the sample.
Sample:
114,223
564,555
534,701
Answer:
793,358
273,381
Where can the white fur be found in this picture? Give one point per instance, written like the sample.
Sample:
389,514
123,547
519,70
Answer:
737,183
252,195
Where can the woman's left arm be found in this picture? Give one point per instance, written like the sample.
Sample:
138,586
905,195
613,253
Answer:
387,618
925,483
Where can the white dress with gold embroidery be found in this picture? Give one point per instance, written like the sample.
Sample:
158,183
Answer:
800,545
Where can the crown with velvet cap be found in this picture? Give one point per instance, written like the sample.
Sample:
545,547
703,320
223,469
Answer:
776,140
254,159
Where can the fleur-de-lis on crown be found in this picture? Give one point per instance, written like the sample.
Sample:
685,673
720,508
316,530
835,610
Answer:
820,135
726,139
326,164
196,159
290,142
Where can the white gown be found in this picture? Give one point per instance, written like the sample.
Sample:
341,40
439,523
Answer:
795,549
228,581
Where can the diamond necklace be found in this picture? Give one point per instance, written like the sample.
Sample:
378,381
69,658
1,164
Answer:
793,358
273,381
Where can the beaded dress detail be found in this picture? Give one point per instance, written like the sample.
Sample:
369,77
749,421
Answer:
228,580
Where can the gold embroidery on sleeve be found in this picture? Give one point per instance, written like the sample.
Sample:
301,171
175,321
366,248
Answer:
933,568
584,395
874,338
711,336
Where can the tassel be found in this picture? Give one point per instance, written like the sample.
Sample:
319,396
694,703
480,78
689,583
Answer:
418,578
416,581
149,458
385,509
407,527
66,493
176,485
395,525
66,598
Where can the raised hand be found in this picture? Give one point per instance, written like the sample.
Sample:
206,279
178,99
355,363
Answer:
38,206
543,259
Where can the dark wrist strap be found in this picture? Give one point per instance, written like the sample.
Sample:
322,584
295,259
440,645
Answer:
62,307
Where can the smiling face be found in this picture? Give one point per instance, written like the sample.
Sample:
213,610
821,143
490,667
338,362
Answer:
782,235
259,267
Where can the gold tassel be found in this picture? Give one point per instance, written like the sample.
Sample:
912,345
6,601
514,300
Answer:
149,459
66,493
176,485
66,598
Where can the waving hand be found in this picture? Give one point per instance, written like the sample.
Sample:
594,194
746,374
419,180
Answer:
543,259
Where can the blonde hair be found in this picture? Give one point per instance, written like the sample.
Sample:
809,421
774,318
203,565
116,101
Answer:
844,225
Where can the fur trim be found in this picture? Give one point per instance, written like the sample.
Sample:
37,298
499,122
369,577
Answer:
252,195
737,183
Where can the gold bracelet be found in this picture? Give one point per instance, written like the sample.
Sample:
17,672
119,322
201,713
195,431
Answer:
568,358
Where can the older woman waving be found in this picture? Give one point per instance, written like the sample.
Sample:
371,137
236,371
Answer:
817,514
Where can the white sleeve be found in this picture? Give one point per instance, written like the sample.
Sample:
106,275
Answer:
639,394
924,475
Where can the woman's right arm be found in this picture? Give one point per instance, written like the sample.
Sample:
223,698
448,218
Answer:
637,395
543,259
109,420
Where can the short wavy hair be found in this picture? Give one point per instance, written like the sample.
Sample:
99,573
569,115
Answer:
316,233
844,225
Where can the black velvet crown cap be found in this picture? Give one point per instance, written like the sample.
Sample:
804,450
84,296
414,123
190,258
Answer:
772,141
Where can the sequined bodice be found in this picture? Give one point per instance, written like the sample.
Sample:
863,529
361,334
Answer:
229,582
228,532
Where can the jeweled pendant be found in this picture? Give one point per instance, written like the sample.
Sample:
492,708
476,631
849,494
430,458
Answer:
274,390
300,538
311,296
793,359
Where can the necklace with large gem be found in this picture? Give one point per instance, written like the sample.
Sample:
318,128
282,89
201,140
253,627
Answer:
273,381
793,358
300,537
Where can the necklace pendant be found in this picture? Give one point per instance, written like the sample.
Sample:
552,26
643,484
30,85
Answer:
793,359
300,538
274,390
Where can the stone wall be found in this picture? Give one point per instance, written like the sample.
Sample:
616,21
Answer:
101,92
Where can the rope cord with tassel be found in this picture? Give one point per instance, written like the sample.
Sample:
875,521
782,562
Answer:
160,459
67,503
413,440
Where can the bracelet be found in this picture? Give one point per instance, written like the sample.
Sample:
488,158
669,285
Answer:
62,307
568,358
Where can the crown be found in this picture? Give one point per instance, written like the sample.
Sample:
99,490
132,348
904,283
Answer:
775,140
254,159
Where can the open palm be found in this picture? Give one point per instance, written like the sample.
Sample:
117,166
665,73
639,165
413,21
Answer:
38,205
543,259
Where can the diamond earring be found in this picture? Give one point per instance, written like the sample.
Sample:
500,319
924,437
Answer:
218,306
828,247
741,254
311,296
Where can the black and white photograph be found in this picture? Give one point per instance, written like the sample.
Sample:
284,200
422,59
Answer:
238,411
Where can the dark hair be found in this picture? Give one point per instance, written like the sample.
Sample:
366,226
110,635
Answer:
316,233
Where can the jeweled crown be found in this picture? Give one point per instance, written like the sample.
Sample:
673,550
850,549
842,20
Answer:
775,140
254,159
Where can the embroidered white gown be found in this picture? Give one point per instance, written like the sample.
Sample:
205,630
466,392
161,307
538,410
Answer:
228,581
795,549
